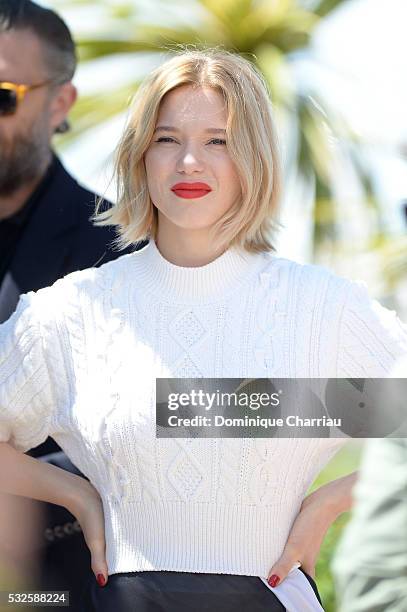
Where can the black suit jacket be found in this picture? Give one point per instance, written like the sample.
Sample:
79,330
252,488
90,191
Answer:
59,237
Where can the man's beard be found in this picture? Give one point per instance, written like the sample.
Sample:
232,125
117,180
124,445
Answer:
25,160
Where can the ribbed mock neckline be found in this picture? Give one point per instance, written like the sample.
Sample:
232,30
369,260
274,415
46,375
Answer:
207,283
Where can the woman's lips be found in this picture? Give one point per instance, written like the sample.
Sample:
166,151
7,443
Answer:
190,193
191,190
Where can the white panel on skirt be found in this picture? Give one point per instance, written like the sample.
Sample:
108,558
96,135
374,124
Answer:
295,592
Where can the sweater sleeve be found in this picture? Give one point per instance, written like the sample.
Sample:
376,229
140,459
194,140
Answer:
371,337
26,398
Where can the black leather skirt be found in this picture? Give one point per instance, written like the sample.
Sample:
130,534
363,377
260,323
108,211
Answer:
165,591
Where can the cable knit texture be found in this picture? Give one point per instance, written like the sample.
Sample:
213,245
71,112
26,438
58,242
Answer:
79,360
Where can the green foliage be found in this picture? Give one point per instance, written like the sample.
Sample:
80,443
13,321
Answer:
324,577
344,462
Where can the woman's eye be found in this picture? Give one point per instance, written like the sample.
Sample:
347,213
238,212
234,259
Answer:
165,139
169,139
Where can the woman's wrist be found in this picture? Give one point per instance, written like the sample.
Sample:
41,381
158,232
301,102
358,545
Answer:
335,496
78,494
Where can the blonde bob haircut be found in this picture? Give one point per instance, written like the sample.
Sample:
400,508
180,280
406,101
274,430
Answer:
251,142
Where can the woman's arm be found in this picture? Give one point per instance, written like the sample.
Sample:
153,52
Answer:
335,496
317,513
23,475
31,395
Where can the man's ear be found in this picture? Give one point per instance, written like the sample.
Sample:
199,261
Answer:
61,104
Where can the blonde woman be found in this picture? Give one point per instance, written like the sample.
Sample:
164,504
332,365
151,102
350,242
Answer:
181,524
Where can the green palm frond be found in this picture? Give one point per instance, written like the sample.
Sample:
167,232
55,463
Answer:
93,110
325,7
162,37
94,48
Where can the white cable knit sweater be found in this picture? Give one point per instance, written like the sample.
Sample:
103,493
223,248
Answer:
78,361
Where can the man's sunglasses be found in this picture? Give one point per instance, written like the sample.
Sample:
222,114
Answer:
11,94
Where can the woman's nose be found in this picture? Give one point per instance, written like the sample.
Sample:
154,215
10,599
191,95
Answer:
190,159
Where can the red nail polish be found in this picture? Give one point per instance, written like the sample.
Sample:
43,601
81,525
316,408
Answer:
101,580
273,580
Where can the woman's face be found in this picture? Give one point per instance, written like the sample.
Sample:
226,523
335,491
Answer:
189,147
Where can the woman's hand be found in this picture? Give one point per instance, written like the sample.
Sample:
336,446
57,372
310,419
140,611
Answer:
318,511
23,475
87,508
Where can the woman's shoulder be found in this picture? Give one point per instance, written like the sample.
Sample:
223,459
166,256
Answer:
75,288
366,337
310,277
89,280
316,286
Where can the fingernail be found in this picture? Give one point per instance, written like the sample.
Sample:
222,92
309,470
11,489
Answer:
273,580
101,580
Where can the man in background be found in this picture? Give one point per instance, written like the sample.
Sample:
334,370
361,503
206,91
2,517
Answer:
45,233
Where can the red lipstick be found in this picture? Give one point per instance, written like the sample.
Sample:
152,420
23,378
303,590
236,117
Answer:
191,190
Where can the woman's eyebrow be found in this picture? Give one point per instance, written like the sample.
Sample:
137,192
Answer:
170,128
